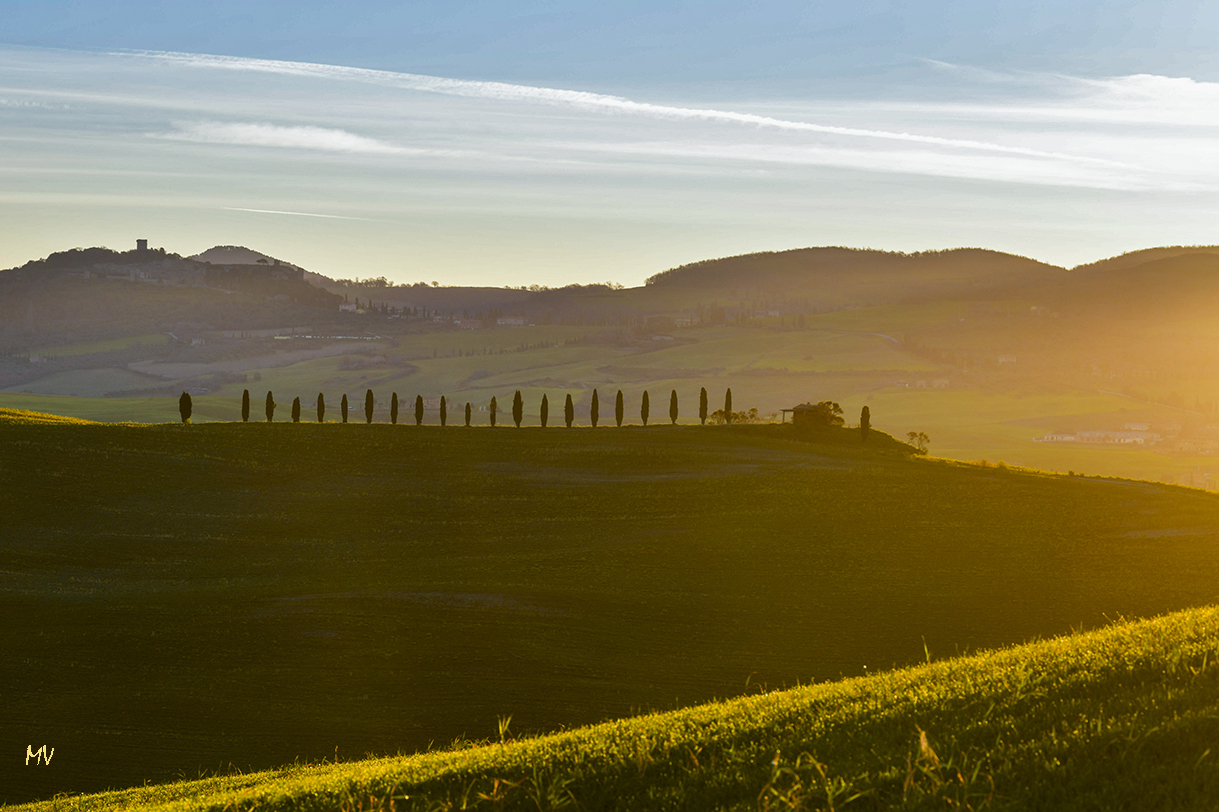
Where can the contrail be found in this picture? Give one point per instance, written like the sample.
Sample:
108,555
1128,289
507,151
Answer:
580,99
294,213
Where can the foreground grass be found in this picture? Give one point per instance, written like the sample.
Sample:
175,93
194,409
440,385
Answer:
1124,717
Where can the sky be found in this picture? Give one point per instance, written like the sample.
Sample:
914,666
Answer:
479,143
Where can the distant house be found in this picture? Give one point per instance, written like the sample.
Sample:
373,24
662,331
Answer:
347,307
510,321
469,324
1137,426
802,415
939,383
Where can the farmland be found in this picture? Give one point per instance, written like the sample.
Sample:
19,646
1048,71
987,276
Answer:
186,597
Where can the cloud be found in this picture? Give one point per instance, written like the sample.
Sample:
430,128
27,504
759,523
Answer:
583,100
295,213
271,135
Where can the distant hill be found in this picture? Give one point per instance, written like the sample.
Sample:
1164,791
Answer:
236,255
1146,255
93,293
859,276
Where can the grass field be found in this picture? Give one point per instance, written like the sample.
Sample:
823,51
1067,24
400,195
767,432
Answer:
1121,718
181,598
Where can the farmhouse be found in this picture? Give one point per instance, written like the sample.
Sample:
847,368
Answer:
803,415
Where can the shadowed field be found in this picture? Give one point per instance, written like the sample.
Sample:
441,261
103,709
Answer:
185,597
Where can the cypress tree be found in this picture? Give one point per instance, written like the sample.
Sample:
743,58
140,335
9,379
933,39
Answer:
321,408
643,408
245,406
270,407
673,407
343,407
368,404
594,411
569,411
544,411
494,409
518,408
865,423
444,411
728,407
184,407
618,409
467,414
418,410
702,405
296,410
393,408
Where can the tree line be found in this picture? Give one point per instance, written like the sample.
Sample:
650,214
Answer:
827,411
185,408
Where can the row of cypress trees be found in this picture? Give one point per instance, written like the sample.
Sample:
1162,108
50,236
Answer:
518,408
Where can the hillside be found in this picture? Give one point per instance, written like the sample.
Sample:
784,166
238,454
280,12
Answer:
987,353
1118,718
252,593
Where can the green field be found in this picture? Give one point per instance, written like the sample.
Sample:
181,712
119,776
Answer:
181,598
1122,718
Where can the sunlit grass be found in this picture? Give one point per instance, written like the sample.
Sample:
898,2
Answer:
1123,717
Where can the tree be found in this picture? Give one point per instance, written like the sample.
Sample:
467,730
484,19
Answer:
468,414
702,405
184,407
444,411
393,408
544,410
321,408
569,411
728,406
494,409
296,410
245,406
673,407
618,409
919,440
270,407
343,407
368,404
594,410
643,408
865,423
518,408
418,410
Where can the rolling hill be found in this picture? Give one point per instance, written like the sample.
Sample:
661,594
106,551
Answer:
181,597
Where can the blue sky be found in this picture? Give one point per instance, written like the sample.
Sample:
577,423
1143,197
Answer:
495,143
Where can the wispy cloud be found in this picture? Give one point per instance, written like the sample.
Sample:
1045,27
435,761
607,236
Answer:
271,135
586,101
296,213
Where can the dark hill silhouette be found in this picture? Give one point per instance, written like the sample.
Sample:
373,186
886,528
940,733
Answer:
864,275
1133,258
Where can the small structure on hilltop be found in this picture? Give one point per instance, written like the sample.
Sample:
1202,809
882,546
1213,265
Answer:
826,413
